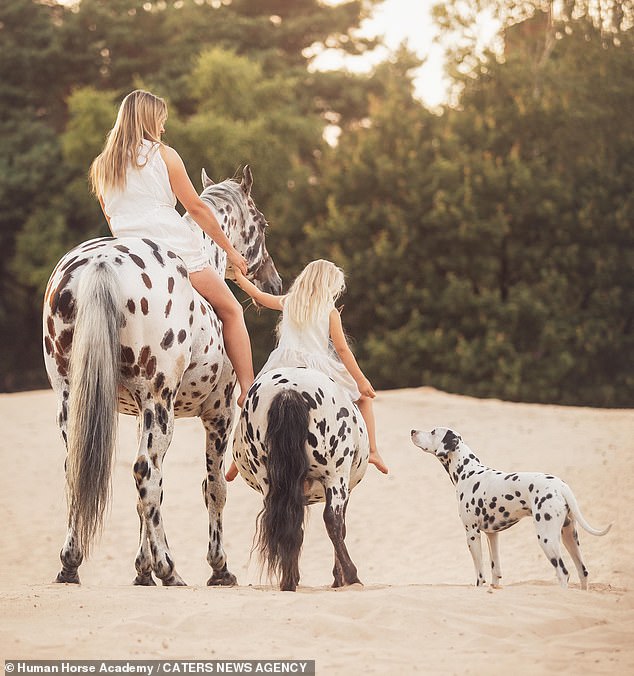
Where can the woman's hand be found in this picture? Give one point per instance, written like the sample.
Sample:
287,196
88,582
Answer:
365,387
239,263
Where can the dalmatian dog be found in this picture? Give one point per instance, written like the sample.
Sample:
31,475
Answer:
491,501
300,440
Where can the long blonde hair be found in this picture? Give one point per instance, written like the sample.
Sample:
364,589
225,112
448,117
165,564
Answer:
140,116
314,291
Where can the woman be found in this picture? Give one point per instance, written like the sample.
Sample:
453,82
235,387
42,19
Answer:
138,179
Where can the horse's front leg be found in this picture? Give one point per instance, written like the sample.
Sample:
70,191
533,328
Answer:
345,572
157,426
218,421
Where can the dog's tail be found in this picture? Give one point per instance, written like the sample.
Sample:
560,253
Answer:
574,508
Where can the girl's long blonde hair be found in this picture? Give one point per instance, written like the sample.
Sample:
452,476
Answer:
140,116
314,291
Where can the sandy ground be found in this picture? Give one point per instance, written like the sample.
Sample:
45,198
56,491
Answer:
418,611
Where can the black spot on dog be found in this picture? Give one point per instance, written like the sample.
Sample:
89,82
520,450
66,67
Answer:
450,441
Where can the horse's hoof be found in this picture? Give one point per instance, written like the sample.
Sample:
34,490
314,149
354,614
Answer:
222,579
144,580
63,578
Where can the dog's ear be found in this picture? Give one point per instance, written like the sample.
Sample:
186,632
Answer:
449,443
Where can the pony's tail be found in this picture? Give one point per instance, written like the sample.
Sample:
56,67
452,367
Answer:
280,524
92,404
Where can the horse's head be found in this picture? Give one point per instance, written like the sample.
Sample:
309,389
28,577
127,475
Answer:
245,226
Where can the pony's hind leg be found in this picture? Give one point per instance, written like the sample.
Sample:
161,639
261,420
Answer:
345,572
143,561
157,428
218,424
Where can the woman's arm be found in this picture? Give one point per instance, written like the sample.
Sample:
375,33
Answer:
340,344
197,209
260,297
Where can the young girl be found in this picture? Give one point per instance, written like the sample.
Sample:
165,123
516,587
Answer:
309,320
137,179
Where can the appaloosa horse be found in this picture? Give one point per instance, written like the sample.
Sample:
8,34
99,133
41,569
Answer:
125,331
300,440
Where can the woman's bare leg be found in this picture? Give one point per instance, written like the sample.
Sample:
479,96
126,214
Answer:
209,284
367,411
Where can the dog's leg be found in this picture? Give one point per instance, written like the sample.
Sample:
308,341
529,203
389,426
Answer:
474,542
549,536
570,538
494,551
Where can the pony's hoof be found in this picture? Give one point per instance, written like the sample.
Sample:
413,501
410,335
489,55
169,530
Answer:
174,580
222,579
64,578
355,584
144,580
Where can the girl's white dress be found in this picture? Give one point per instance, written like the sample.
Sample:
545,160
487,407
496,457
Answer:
146,208
309,345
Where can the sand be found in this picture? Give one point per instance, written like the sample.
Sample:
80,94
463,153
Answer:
418,611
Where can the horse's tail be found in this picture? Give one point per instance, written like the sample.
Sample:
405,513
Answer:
92,404
280,524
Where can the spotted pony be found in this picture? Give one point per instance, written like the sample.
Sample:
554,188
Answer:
124,331
300,440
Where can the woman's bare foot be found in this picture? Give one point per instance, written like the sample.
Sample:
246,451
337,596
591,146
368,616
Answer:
242,397
232,472
377,461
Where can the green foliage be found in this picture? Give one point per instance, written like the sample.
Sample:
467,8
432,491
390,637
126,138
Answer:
488,250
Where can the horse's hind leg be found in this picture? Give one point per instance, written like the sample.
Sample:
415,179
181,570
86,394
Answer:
157,426
218,423
345,572
70,555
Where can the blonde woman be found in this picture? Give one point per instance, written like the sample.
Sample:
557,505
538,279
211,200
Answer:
138,179
309,323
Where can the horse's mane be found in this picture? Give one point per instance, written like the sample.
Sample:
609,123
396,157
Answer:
229,190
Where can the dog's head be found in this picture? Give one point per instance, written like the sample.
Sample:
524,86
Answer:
440,441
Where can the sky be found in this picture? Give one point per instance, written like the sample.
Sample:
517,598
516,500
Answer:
410,21
399,20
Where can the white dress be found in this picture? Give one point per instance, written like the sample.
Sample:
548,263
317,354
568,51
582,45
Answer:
146,208
308,345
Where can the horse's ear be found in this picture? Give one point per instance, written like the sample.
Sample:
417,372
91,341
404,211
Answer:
247,179
206,180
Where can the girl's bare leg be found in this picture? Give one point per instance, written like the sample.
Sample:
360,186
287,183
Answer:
232,472
367,411
209,284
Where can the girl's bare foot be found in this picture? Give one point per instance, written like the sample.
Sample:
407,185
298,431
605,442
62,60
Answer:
242,397
377,461
232,472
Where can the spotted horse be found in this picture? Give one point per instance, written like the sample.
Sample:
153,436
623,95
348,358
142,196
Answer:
124,331
300,440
